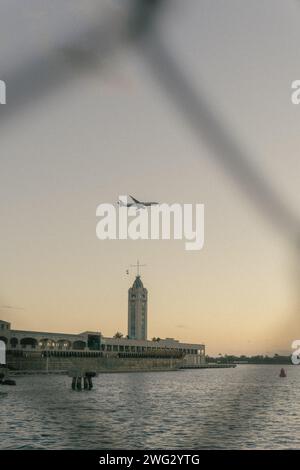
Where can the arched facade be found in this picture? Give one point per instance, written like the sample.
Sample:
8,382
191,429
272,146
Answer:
39,341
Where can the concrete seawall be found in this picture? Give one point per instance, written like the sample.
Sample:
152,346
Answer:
97,364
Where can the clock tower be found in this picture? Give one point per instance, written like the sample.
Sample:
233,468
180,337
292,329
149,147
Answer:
137,309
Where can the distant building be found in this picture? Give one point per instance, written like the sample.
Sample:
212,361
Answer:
137,310
93,344
26,345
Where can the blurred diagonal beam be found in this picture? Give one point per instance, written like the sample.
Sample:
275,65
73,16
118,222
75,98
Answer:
209,127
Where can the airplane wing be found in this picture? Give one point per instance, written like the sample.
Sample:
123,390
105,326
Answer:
135,200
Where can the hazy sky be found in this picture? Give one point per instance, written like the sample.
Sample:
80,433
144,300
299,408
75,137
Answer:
112,131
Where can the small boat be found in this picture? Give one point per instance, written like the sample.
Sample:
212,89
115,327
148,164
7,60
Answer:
8,382
4,380
282,373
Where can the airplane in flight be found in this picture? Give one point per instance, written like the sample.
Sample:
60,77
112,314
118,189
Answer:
137,204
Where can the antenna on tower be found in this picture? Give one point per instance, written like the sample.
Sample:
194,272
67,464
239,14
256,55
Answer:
138,266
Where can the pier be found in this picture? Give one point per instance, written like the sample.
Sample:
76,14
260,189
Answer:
208,366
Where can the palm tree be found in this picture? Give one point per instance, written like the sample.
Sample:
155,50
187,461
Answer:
118,335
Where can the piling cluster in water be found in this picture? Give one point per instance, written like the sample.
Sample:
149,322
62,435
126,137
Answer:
83,381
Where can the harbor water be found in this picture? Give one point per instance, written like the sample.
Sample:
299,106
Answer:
249,407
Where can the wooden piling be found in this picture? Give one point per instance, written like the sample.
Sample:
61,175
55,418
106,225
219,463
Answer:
74,383
78,383
86,383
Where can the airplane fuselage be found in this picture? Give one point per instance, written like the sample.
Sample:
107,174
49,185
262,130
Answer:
138,204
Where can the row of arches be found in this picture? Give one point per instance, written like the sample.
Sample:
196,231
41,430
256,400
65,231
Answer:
44,343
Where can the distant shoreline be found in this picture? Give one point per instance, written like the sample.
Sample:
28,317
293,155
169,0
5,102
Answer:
254,360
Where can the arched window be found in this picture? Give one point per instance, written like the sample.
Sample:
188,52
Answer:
79,345
64,344
28,342
47,343
2,338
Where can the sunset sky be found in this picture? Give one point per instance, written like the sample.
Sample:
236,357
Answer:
113,131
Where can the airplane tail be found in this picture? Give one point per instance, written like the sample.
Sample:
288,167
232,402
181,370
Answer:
135,200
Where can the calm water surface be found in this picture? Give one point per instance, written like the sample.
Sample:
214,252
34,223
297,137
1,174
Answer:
247,407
